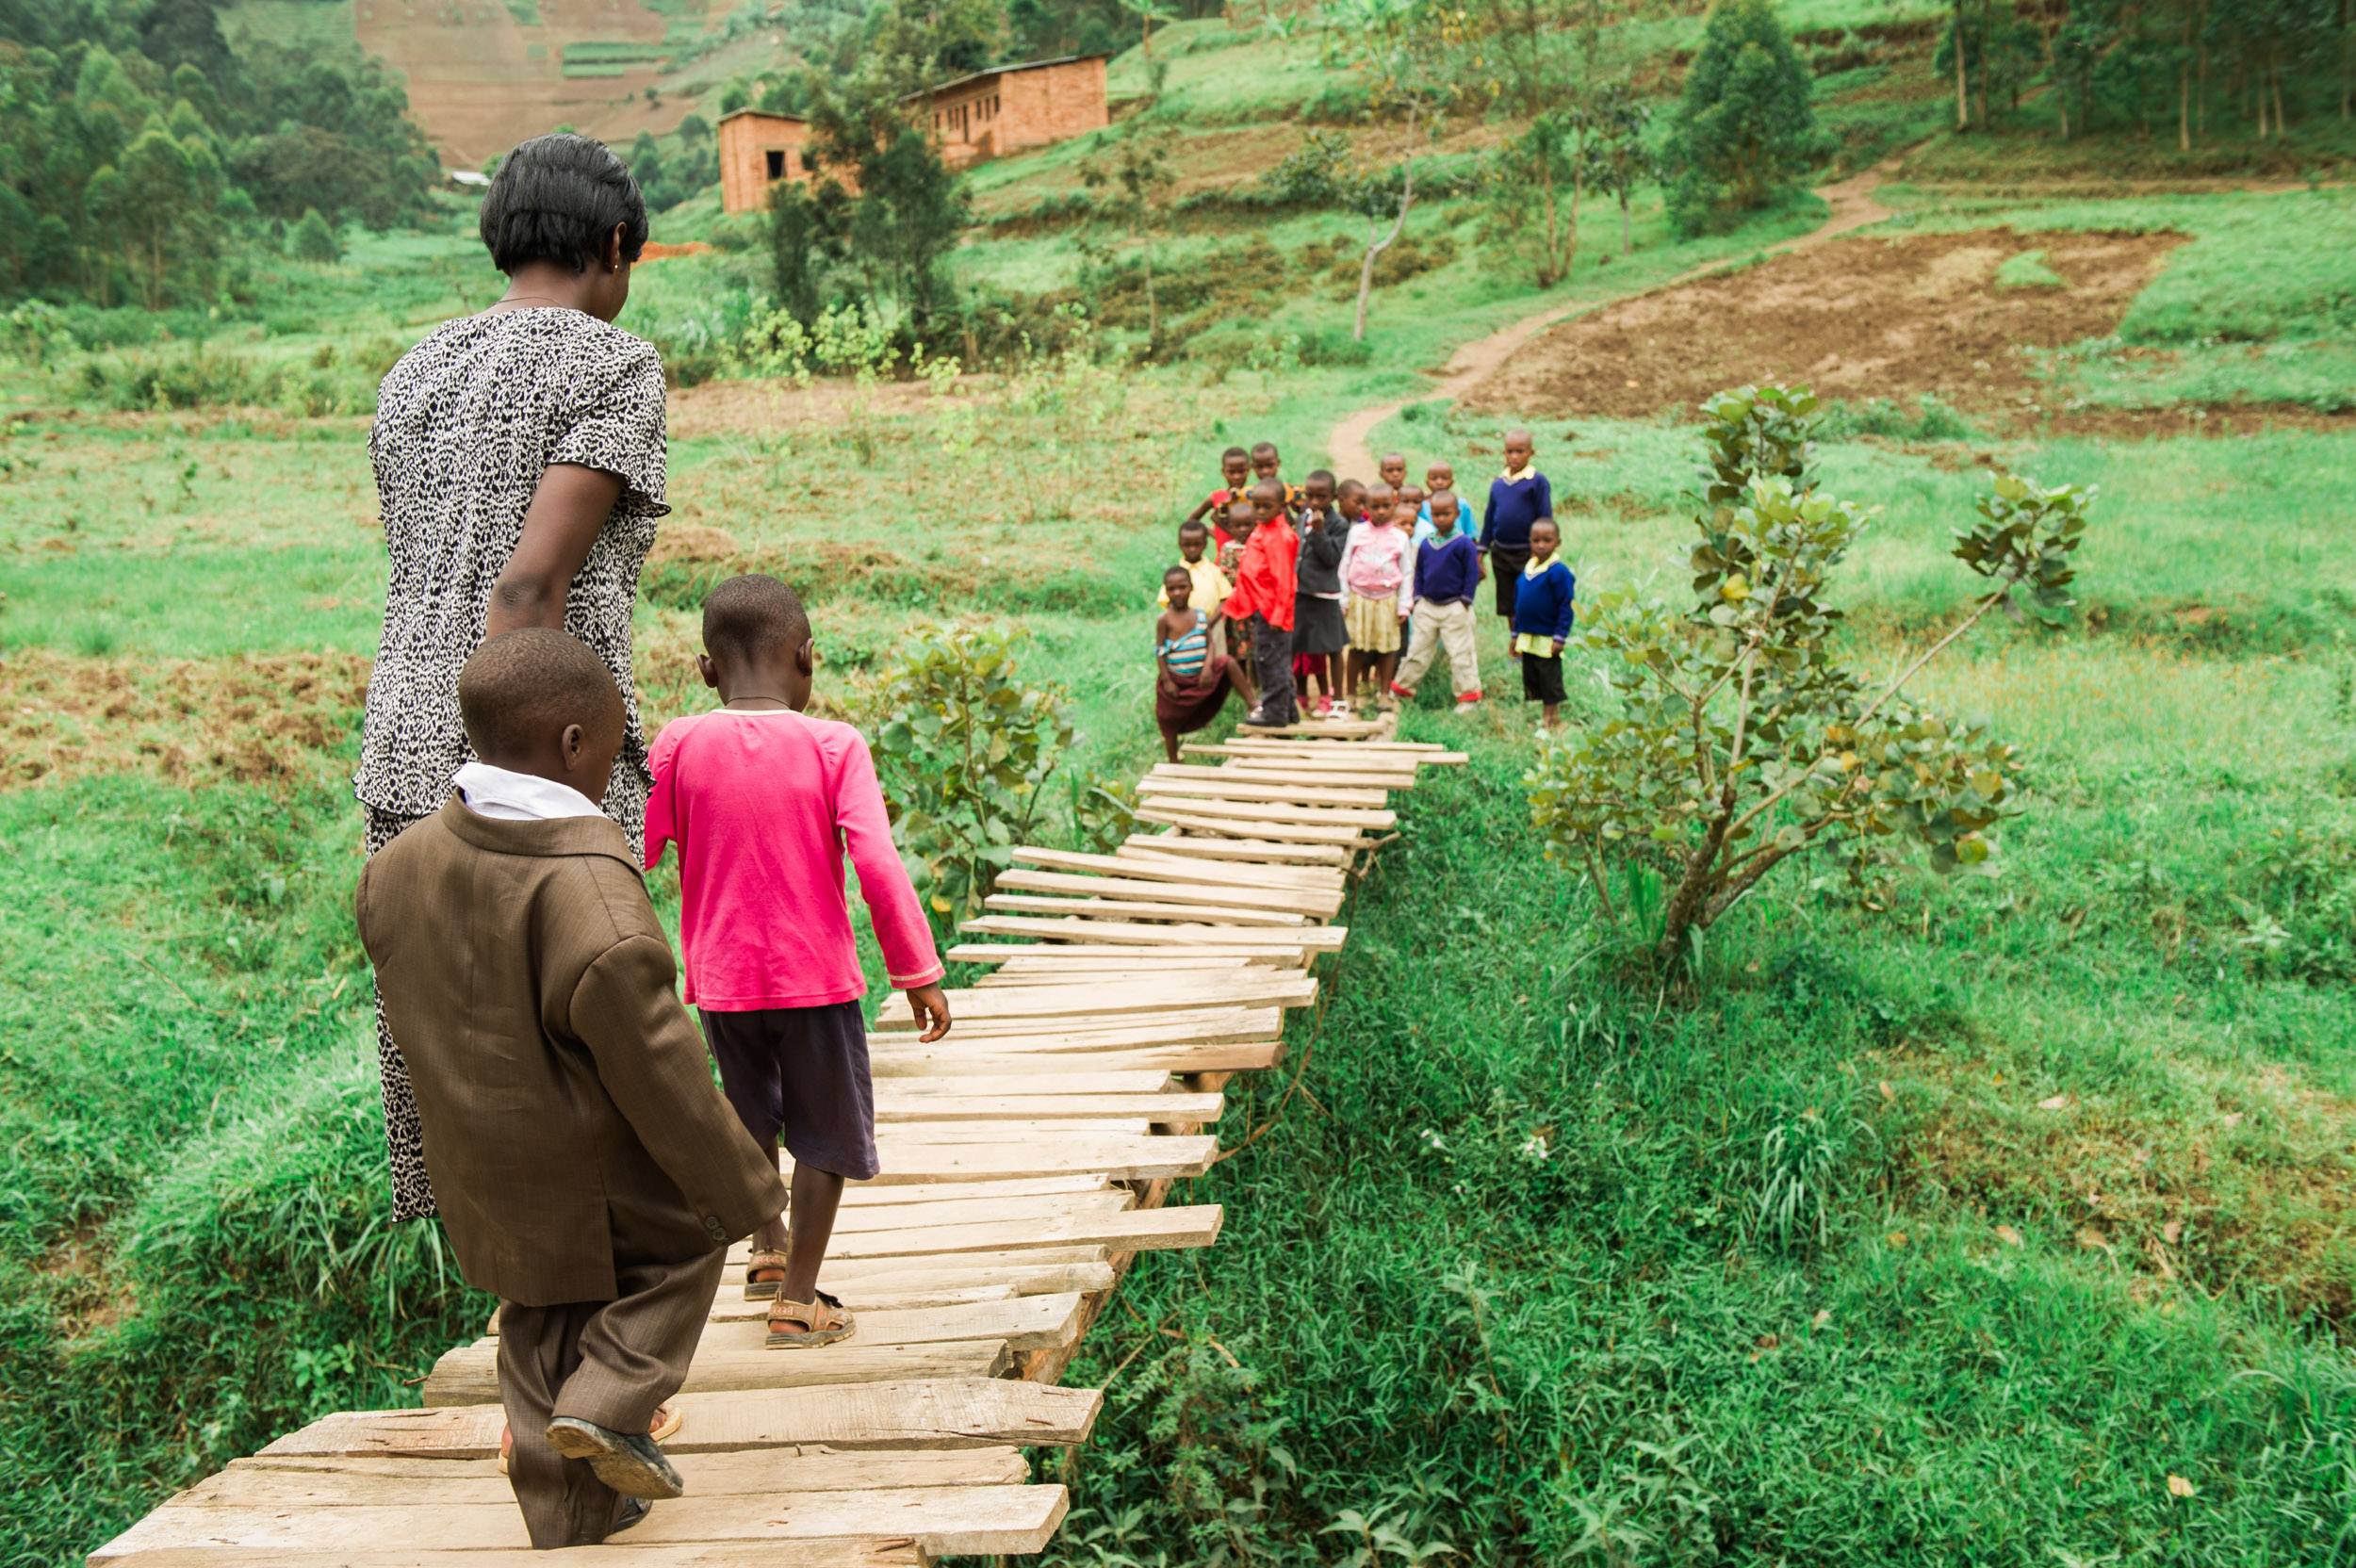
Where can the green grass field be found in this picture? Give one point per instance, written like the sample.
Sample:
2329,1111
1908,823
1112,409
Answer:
2081,1134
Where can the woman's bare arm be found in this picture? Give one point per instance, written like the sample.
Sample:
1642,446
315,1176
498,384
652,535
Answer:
567,512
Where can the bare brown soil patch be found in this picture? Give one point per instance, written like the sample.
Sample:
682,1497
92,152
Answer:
768,407
1856,318
256,718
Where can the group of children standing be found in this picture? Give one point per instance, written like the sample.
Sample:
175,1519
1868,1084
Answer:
1283,590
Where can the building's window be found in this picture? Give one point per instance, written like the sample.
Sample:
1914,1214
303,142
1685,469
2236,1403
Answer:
777,163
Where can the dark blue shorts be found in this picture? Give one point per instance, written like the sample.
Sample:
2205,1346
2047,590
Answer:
798,1076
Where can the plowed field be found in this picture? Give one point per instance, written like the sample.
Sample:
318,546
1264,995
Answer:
1856,318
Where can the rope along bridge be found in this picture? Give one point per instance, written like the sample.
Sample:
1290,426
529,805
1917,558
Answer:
1026,1159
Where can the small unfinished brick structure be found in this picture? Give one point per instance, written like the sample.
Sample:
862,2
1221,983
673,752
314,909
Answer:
1003,109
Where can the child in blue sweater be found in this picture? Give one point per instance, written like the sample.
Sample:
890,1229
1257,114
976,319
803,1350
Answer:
1447,575
1542,620
1519,501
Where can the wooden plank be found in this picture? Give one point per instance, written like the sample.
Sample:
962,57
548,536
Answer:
889,1552
1138,1231
903,1134
1229,892
1231,849
1339,758
1183,994
861,1194
1102,974
338,1482
1312,939
963,1519
1097,1031
929,1281
964,1413
1165,867
1076,953
1275,811
1340,729
1235,1056
898,1108
968,1211
1421,751
468,1375
1024,1265
1239,787
978,1086
1124,1159
1122,908
1023,1322
1259,830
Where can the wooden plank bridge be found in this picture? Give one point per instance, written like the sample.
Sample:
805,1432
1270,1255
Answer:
1026,1161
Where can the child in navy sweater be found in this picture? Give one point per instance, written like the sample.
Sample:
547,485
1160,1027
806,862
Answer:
1519,500
1542,620
1447,576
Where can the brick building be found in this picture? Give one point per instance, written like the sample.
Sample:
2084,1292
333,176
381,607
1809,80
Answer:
1003,109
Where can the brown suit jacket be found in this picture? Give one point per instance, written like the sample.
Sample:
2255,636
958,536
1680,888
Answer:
570,1118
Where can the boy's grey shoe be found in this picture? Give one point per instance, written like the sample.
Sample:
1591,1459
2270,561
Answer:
631,1511
630,1462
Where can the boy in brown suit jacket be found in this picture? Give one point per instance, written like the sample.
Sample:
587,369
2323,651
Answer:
586,1168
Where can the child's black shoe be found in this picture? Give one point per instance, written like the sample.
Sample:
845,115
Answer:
630,1462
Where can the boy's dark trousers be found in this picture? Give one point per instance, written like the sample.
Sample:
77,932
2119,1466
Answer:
611,1362
1272,665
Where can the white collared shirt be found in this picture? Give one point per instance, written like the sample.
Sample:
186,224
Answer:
509,796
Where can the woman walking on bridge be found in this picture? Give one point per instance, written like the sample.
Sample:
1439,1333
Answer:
519,469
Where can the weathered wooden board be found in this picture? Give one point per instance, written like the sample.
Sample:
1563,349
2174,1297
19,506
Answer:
1272,811
980,1086
973,1211
338,1482
859,1194
960,1519
893,1107
1185,814
1121,953
1232,1057
1242,787
1083,1031
1125,908
1239,892
1312,939
1138,1231
1180,993
1174,868
939,1413
468,1375
1233,848
900,1552
1124,1159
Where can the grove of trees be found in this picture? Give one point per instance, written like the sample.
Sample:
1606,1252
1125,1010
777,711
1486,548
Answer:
131,142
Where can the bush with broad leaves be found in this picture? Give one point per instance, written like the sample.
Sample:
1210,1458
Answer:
1742,739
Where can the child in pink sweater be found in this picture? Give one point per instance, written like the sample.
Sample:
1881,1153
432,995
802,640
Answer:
761,803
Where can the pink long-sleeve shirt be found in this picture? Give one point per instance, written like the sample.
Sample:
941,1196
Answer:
762,805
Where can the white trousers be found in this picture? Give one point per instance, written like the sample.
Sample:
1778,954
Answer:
1438,626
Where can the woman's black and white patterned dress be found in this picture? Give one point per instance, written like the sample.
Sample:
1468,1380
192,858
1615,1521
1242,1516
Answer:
466,423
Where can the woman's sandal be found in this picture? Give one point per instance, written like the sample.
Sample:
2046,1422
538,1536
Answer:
764,1261
824,1322
668,1418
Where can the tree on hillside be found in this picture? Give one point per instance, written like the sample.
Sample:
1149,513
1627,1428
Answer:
1391,45
890,221
1531,188
1135,193
911,44
1617,159
1744,129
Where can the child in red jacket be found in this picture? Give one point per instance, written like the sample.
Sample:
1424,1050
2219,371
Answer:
1263,601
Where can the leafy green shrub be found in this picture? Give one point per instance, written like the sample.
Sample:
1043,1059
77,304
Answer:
1740,739
964,753
313,239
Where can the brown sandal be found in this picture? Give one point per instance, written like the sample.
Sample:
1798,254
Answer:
824,1322
764,1260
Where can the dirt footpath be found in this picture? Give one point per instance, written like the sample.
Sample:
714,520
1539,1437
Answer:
1854,319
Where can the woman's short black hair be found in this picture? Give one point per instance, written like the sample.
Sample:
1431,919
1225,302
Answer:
556,198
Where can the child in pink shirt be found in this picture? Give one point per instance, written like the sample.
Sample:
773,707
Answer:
761,802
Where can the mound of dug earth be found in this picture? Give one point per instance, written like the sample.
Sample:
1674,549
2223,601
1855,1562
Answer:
1854,319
